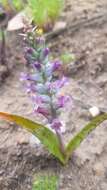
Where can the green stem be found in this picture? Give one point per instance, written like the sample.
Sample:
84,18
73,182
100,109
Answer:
62,146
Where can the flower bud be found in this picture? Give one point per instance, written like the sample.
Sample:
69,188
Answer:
46,52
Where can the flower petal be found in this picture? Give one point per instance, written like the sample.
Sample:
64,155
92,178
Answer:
56,124
62,100
43,111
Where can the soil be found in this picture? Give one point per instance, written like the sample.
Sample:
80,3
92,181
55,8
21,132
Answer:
20,159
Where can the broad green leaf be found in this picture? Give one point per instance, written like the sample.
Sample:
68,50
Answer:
75,142
49,139
46,136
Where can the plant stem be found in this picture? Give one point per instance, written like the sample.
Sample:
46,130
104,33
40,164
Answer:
54,115
3,48
62,146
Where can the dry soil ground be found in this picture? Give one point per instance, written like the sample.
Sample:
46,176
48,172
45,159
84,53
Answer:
87,169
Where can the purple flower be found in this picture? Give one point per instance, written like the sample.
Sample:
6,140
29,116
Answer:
44,82
41,99
42,110
56,124
30,88
29,50
48,70
55,86
61,82
40,41
50,87
33,77
56,65
37,65
61,101
51,67
24,77
46,52
36,77
41,88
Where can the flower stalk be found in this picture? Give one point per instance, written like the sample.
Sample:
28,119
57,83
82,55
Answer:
3,48
44,82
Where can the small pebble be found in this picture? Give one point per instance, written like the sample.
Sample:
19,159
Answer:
94,111
59,25
98,169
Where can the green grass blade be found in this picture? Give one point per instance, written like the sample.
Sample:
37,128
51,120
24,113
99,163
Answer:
75,142
46,136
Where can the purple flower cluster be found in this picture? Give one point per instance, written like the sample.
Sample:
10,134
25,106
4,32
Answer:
43,84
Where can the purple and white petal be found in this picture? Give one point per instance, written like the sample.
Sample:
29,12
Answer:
46,52
36,65
56,65
24,77
62,101
56,124
43,111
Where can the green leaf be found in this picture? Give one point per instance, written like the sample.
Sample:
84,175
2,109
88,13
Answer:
45,11
75,142
49,139
45,135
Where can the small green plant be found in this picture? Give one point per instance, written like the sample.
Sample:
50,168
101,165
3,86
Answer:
45,182
45,12
67,58
44,87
